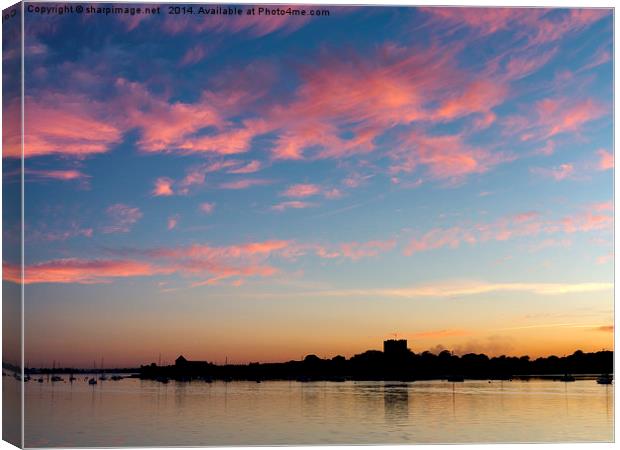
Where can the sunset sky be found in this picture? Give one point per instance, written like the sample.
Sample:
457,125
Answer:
260,188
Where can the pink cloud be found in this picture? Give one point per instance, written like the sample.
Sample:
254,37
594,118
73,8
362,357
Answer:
479,96
606,160
163,187
194,55
60,124
602,206
571,22
167,126
435,239
537,25
41,232
196,261
525,216
295,204
602,56
484,20
301,190
333,193
564,118
550,243
123,217
81,271
357,250
244,183
63,175
445,157
553,116
173,222
243,260
547,149
350,250
528,224
264,248
228,142
355,180
207,207
262,271
196,175
384,90
193,177
586,221
251,167
559,173
164,126
527,63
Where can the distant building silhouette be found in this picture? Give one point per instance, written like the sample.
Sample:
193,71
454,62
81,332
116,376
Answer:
395,347
183,364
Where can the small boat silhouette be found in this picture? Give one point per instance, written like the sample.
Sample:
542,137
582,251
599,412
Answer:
93,380
605,379
567,378
456,378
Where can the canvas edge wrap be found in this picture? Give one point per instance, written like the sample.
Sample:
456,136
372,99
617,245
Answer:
12,224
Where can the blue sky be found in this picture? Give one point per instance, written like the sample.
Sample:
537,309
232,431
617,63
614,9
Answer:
260,188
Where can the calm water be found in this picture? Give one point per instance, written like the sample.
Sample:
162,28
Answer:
134,412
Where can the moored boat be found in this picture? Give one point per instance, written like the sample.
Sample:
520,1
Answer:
605,379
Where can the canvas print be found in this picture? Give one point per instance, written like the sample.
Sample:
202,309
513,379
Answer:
306,224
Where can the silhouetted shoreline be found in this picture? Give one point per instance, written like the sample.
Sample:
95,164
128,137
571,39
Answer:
395,363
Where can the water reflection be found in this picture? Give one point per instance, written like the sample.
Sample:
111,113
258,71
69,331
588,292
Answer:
396,402
148,413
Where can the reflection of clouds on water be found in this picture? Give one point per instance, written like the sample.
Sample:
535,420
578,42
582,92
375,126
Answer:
396,402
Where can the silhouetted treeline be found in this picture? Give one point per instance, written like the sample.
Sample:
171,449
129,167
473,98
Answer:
376,365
